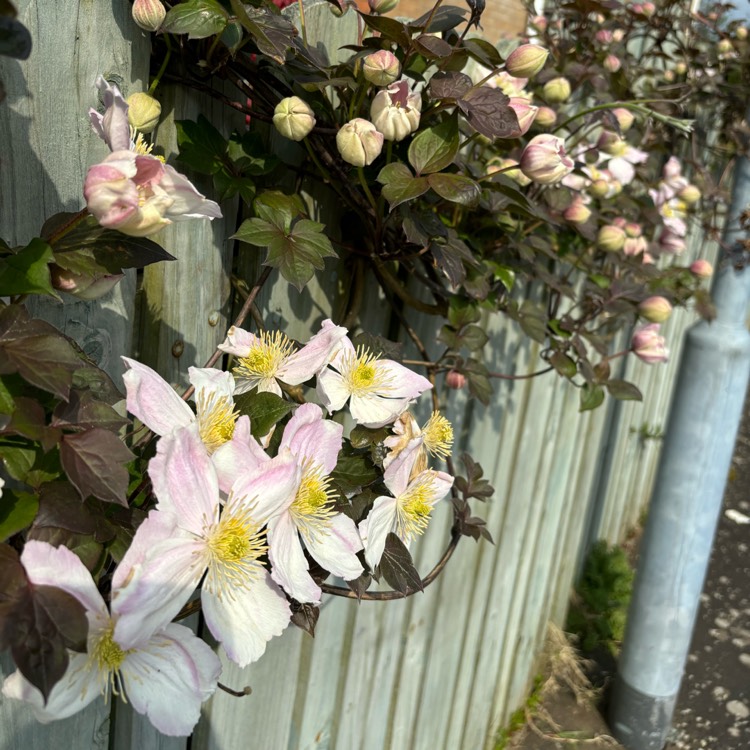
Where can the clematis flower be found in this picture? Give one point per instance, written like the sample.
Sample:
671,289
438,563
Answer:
649,345
378,390
395,111
112,126
162,669
331,538
270,357
407,512
191,534
436,436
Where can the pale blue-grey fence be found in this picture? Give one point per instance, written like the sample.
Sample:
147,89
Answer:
442,669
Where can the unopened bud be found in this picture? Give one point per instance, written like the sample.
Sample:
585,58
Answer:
539,23
632,229
741,32
668,75
525,113
724,46
526,61
611,238
293,118
648,9
149,14
648,345
143,112
556,90
655,309
83,286
455,379
690,194
680,68
634,246
359,142
599,188
612,63
510,169
381,68
577,212
624,118
603,36
546,117
382,6
544,159
702,269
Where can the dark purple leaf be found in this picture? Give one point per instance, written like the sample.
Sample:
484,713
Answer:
397,567
449,85
488,111
305,617
624,391
432,47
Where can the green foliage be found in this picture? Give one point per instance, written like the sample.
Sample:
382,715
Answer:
599,609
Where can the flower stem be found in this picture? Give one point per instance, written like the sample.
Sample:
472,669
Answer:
165,62
366,188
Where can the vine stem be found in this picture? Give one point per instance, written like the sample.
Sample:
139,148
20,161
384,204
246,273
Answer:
165,62
366,188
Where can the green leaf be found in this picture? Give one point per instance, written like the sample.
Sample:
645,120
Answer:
17,512
18,460
461,312
591,397
473,337
353,472
389,28
455,188
196,18
264,410
363,437
278,208
563,364
202,146
271,32
435,148
27,271
623,391
399,185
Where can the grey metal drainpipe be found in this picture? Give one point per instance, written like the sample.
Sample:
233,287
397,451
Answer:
704,417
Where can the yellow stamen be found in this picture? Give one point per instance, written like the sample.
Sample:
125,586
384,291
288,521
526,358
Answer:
107,656
438,435
141,146
414,507
313,504
233,544
265,357
362,375
216,419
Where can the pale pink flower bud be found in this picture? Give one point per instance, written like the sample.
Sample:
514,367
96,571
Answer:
672,243
395,111
632,229
611,143
544,159
620,222
143,112
546,117
539,23
381,68
82,286
612,63
624,118
603,36
455,379
690,194
359,142
648,9
514,174
724,46
556,90
655,309
293,118
599,188
611,238
634,246
741,32
702,269
382,6
526,61
577,212
149,14
668,75
525,113
618,35
648,345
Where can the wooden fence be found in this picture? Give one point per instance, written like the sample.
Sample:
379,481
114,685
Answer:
442,669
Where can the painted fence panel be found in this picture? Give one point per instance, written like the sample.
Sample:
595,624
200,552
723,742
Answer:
443,669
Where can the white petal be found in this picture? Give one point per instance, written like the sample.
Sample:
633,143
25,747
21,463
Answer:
309,436
313,356
238,342
396,476
290,567
336,550
375,528
331,390
168,678
212,381
404,383
241,454
246,621
374,411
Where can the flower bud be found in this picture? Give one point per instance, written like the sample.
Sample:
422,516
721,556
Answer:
624,118
382,6
539,23
668,75
655,309
455,379
634,246
546,117
556,90
143,112
612,63
648,345
611,238
149,14
599,188
724,46
577,212
81,285
525,113
611,143
359,142
670,242
526,61
741,32
515,174
632,229
603,36
702,269
680,68
648,9
293,118
381,68
544,159
395,111
690,194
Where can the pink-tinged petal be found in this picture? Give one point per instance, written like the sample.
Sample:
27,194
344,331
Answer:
245,621
309,436
344,351
188,202
241,454
440,485
331,390
169,677
112,127
374,411
184,479
380,521
264,385
212,381
46,565
110,198
269,488
404,383
150,172
78,687
396,476
289,565
238,342
153,400
158,588
622,170
313,356
336,548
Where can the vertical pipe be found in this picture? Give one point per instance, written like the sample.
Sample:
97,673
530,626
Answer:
704,418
